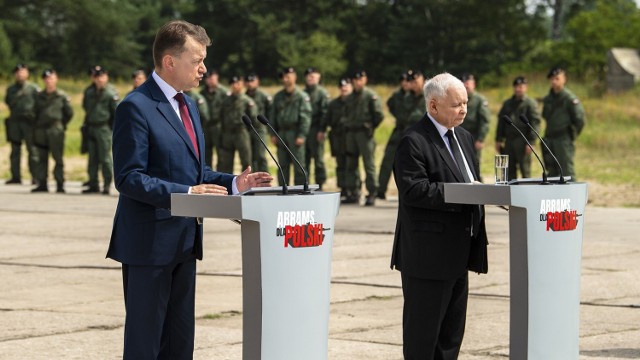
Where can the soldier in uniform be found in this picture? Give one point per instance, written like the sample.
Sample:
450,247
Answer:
203,107
401,105
214,93
263,107
565,118
291,118
99,104
236,135
478,115
138,77
335,119
508,140
364,115
315,139
20,98
53,112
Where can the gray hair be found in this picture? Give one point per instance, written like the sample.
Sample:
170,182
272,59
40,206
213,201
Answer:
437,86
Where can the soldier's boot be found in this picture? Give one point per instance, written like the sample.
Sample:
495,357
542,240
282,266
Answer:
13,181
40,188
105,191
60,189
91,190
381,195
352,197
370,201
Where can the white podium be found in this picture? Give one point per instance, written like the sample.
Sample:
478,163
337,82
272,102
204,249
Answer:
287,244
545,244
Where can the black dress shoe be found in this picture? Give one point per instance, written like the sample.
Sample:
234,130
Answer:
40,189
91,190
13,181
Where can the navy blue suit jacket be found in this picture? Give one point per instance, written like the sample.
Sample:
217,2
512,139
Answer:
153,157
433,238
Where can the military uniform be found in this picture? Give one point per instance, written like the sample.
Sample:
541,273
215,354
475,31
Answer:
335,119
235,136
477,119
53,113
203,107
263,107
20,98
315,149
364,115
514,144
291,118
565,119
99,107
211,125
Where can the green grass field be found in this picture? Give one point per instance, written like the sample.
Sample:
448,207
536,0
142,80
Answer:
607,156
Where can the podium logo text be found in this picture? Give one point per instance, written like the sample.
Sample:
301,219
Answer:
558,215
299,229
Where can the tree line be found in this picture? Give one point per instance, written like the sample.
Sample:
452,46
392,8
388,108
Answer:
337,36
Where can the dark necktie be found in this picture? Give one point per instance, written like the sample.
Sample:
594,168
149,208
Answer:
186,120
457,156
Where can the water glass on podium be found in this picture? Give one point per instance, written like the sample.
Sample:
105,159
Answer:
502,169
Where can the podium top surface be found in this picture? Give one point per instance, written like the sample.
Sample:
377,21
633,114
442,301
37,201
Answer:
511,195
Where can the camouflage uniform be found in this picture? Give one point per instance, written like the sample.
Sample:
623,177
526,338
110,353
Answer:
211,125
20,98
203,107
263,107
335,118
477,119
53,113
315,149
291,117
235,135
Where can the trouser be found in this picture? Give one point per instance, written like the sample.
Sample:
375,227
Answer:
19,131
289,136
100,156
564,149
159,303
258,153
518,158
433,317
315,150
386,167
211,142
236,139
49,140
361,143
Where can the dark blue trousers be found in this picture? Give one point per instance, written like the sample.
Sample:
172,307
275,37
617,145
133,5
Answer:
159,303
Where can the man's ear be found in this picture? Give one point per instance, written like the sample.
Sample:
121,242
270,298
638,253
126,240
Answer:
433,106
167,62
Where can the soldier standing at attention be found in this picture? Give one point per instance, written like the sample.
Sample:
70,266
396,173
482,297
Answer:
236,135
315,139
365,114
263,106
478,115
53,112
20,98
214,93
99,104
565,119
508,140
291,118
138,77
336,118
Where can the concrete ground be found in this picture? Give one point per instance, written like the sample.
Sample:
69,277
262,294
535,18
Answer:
61,299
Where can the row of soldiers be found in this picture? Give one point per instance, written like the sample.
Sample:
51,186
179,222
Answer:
302,117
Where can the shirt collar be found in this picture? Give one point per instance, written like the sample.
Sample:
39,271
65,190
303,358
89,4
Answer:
442,130
167,89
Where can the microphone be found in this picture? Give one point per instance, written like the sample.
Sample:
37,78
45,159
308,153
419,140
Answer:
247,121
305,189
524,119
507,119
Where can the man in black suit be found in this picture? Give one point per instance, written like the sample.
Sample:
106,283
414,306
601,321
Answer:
436,243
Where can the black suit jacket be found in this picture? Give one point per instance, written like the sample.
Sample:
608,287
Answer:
433,239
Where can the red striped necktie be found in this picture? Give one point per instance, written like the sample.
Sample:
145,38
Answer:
186,120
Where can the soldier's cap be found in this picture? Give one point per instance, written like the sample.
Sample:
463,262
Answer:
250,77
48,72
210,72
137,72
519,80
311,70
467,76
98,70
20,66
555,71
359,74
344,81
234,79
287,70
403,76
413,74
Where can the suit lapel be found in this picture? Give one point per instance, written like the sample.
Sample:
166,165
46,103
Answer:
436,139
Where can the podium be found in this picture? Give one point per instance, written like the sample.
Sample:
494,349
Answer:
287,244
545,249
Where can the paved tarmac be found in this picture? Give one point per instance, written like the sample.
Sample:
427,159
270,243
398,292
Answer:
61,299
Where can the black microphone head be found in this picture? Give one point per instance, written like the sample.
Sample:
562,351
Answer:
524,119
507,119
246,120
263,119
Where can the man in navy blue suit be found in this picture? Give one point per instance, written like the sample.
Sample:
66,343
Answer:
158,149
